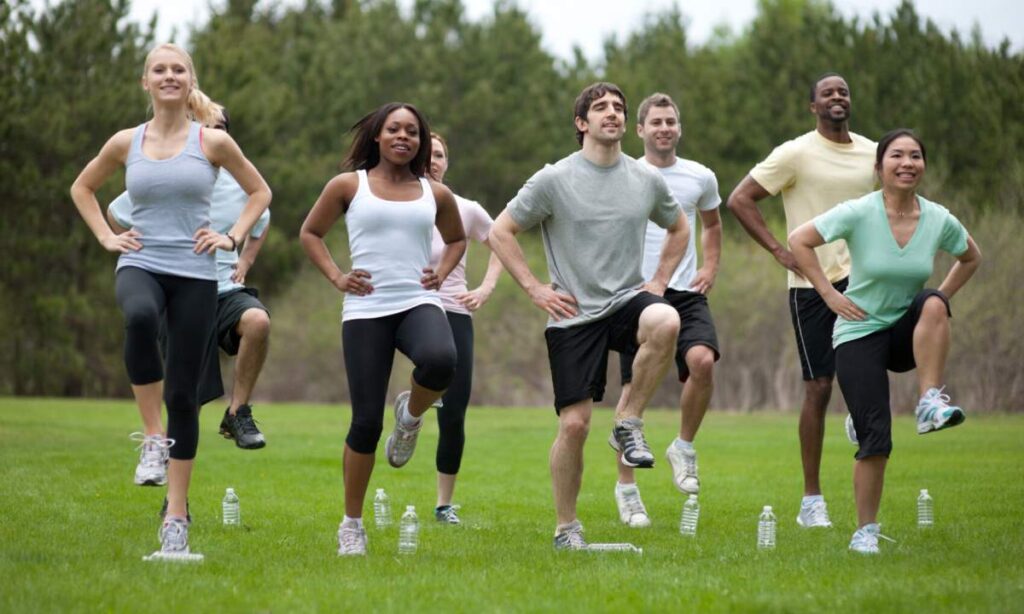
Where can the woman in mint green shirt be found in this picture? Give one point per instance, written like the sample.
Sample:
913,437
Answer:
887,320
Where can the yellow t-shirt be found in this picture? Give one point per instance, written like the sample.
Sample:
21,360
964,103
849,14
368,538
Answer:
814,174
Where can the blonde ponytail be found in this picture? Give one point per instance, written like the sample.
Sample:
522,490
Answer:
200,107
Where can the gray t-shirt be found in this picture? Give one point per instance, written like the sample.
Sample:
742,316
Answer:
592,221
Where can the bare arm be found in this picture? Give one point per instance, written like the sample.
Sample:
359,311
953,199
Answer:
672,250
222,150
449,225
502,240
711,246
325,212
83,193
966,264
743,204
475,299
247,258
802,241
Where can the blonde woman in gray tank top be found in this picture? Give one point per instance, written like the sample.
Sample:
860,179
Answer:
167,263
391,300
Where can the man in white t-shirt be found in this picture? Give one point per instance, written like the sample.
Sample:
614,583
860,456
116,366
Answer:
695,187
814,172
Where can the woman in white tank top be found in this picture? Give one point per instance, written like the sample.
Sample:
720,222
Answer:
391,300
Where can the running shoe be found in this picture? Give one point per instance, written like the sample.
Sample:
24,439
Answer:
174,537
865,539
934,412
814,515
242,428
153,458
684,469
851,432
351,540
631,507
401,442
447,514
571,538
628,438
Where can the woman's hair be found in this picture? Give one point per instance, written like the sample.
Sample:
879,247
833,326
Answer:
200,107
440,139
364,153
892,135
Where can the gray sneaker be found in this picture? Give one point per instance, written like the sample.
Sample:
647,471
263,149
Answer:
628,438
571,538
401,442
154,454
351,540
173,537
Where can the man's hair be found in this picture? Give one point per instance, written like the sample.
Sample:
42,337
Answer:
656,99
822,77
587,97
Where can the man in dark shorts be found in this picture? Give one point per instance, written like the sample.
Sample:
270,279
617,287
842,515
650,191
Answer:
243,322
814,172
695,188
593,207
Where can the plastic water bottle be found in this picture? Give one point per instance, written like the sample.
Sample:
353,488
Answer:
766,529
623,547
409,531
925,514
232,512
382,509
691,513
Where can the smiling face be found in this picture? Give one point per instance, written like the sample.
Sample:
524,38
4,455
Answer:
902,164
168,76
660,130
399,137
606,120
438,160
832,100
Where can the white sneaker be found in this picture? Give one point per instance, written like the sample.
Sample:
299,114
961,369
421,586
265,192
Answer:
851,432
684,469
934,412
865,539
174,543
351,540
814,515
153,459
631,508
401,442
571,538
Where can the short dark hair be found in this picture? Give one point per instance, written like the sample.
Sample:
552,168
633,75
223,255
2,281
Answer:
822,77
587,97
892,135
364,152
656,99
225,119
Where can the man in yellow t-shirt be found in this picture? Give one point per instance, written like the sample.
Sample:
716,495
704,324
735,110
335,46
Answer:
814,172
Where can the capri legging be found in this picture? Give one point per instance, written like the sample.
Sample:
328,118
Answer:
421,333
190,307
451,417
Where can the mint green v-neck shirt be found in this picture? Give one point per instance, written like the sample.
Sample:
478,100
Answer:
884,278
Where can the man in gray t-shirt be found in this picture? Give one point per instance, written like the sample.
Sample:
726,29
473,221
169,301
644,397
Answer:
593,207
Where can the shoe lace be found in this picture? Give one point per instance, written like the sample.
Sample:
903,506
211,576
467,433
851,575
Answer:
247,424
936,399
635,440
351,538
573,538
450,513
174,535
818,512
154,447
632,503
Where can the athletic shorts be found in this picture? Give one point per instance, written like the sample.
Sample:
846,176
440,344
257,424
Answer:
230,307
862,367
579,354
696,328
813,322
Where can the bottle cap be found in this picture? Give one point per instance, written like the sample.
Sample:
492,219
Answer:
380,491
924,491
230,491
767,508
410,508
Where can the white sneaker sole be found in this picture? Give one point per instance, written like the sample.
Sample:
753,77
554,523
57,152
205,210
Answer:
799,521
954,418
151,481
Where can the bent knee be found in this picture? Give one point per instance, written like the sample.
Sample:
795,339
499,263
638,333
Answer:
254,323
659,323
934,308
700,361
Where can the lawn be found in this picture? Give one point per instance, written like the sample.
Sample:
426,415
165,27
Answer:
75,528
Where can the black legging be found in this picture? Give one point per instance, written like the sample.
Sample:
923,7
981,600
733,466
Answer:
190,307
421,333
451,418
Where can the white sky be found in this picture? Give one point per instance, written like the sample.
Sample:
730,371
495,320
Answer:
588,22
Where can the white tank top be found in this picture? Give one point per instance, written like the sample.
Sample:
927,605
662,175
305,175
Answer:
391,241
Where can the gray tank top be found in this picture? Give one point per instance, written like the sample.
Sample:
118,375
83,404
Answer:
171,201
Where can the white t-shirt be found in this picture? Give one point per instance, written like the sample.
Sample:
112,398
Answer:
694,187
477,223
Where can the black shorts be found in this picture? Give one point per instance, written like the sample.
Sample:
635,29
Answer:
813,322
230,307
862,367
579,354
696,328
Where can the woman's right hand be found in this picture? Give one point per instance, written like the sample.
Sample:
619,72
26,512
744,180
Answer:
844,307
122,243
356,282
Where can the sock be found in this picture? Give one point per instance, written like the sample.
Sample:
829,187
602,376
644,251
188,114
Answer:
562,528
683,445
809,499
619,486
407,419
348,522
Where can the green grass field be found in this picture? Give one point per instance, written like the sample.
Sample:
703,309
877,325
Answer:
74,527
